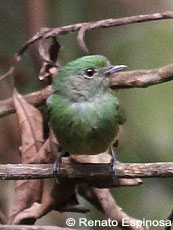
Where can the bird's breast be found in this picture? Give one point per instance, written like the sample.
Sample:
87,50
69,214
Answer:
87,127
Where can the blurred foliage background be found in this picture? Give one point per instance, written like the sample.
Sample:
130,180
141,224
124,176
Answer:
147,134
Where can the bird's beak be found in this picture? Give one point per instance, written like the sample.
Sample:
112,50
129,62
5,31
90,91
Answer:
114,68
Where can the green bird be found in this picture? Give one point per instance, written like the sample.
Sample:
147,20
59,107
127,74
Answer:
84,111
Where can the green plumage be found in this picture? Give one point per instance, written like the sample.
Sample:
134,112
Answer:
84,112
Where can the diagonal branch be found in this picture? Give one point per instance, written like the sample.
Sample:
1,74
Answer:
102,199
129,79
37,98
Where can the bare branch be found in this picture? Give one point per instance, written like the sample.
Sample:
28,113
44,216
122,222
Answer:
142,78
89,172
10,71
37,98
129,79
83,27
48,32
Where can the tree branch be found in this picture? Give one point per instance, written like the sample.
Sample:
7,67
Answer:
48,32
104,202
142,78
37,98
82,28
97,175
129,79
89,172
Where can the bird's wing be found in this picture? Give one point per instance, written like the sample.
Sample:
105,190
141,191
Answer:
122,116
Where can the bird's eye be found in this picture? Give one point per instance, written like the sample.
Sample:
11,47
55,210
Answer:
90,72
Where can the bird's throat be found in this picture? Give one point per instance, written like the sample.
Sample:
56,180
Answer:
87,94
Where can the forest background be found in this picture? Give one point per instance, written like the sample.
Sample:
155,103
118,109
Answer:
147,134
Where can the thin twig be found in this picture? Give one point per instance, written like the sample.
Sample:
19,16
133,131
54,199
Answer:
49,32
81,37
83,27
3,219
10,71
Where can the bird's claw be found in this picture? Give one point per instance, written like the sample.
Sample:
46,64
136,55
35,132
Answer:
113,164
113,167
56,166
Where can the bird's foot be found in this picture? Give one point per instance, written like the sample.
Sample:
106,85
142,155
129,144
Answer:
113,164
56,166
113,167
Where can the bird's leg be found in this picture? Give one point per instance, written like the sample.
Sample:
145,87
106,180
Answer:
113,165
56,166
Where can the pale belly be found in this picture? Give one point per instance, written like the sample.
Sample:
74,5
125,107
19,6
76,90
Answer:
86,128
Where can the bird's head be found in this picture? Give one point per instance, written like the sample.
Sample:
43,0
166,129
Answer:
85,77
